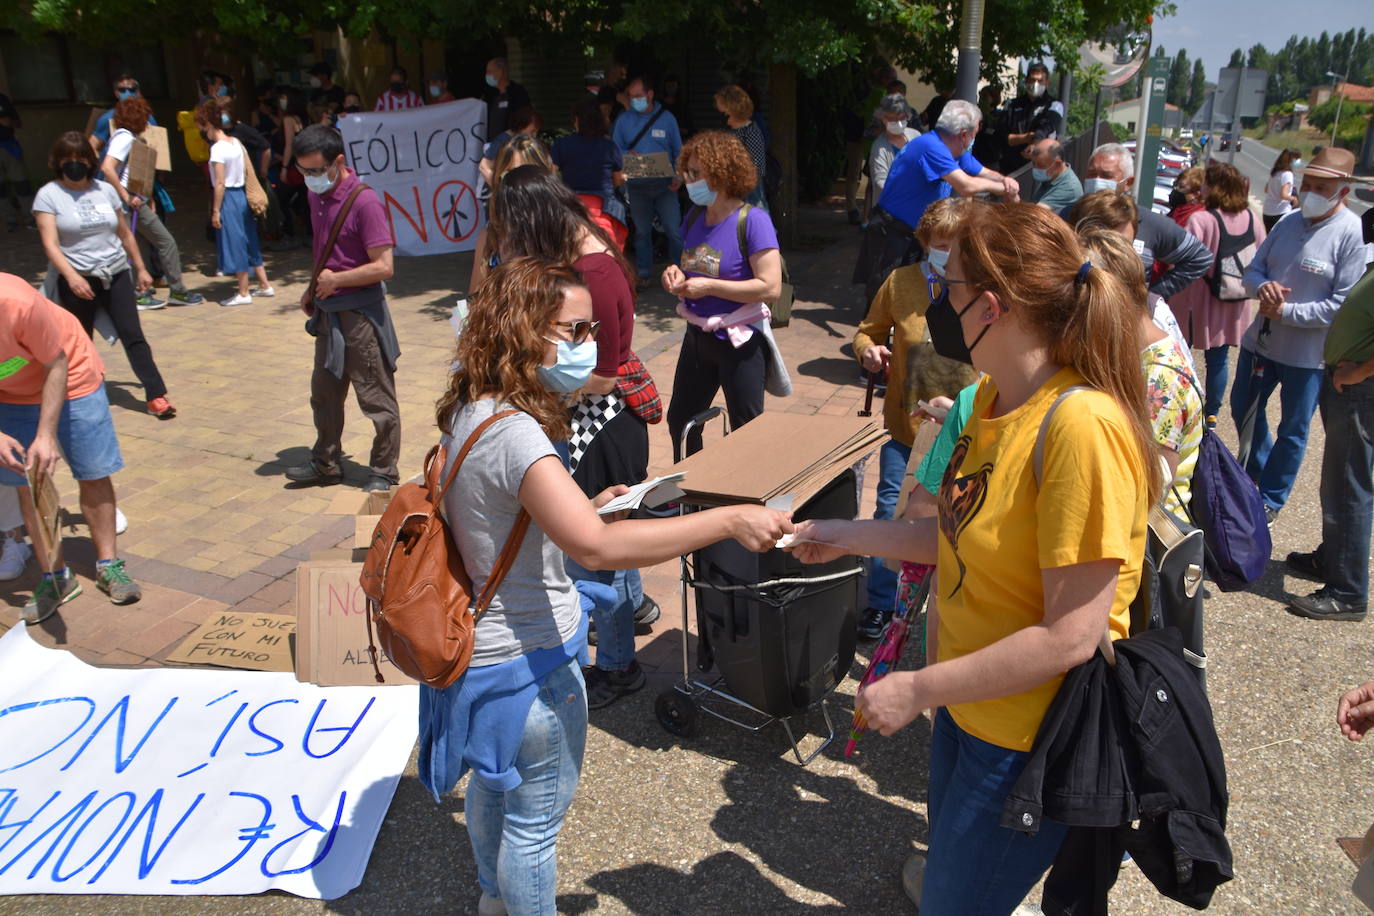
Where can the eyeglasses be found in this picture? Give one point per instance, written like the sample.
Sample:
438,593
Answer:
937,285
315,173
580,330
691,174
126,89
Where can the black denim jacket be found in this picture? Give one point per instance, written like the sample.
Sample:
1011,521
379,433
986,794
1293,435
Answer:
1127,757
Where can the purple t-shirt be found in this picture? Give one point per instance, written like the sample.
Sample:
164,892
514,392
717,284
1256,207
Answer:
713,251
366,227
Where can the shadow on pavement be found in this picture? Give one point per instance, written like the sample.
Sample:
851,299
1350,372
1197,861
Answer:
833,369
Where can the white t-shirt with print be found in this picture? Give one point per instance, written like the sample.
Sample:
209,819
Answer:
231,154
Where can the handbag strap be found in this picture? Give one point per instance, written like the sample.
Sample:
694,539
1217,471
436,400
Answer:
517,532
334,231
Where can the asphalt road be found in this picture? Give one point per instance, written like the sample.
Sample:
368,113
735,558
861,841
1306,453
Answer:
1254,162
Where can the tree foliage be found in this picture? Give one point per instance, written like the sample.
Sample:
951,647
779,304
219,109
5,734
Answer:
813,35
1354,118
1304,62
1177,93
1197,90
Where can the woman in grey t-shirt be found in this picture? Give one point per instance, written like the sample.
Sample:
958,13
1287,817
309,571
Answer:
87,240
518,717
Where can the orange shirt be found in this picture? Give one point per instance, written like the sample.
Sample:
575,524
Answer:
33,330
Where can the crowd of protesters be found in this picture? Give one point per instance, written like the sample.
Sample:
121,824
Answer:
988,315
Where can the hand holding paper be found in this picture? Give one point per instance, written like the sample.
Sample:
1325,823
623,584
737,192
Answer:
816,542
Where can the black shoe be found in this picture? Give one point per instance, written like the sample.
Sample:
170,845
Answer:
310,474
1271,515
872,624
1307,565
854,218
1321,606
605,687
647,612
376,483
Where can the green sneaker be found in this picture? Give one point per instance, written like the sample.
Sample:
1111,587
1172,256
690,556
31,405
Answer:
50,594
115,582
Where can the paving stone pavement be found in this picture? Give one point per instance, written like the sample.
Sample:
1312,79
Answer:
723,823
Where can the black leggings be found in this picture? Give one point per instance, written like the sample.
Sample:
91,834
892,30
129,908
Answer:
705,365
288,195
118,301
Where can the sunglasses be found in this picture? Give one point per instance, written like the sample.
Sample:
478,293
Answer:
937,285
580,330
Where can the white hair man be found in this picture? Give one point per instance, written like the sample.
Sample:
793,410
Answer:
932,167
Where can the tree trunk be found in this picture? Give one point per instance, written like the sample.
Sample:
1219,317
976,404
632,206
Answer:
782,120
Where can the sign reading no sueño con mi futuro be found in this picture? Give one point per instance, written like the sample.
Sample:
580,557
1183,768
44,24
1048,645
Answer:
158,781
423,164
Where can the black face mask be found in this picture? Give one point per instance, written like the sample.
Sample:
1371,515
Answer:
398,87
1177,198
351,108
76,170
947,332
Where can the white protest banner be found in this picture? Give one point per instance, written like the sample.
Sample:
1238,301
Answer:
423,164
160,781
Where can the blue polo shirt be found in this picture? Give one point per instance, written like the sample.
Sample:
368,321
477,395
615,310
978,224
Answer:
916,178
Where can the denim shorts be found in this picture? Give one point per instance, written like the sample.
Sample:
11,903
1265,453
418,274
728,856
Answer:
85,432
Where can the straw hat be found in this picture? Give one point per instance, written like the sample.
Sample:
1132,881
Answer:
1332,163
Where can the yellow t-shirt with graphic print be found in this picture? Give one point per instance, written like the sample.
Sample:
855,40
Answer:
998,530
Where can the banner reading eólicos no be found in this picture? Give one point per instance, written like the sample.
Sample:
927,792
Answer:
422,162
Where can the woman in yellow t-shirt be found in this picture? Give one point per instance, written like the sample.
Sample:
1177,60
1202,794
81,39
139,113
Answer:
1031,572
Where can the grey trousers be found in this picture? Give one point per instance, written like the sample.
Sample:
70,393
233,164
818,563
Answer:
151,231
374,385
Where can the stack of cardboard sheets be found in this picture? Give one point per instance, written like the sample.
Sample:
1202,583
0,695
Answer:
775,456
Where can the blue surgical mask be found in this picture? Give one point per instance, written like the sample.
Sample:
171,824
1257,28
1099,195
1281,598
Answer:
700,194
491,81
1040,174
222,90
640,104
127,94
937,258
571,368
1091,185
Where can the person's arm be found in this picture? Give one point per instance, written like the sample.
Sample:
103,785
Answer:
1319,313
1355,712
378,268
966,185
618,178
142,280
1078,600
870,340
1187,257
52,247
485,167
674,148
830,539
567,516
217,177
479,262
289,127
43,453
1256,276
109,168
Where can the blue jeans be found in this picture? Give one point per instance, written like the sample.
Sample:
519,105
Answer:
1274,461
892,461
647,197
975,865
615,629
1347,491
1218,374
513,833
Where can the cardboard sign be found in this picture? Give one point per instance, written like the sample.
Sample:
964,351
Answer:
142,170
331,630
255,642
156,137
164,781
363,526
648,165
47,541
356,502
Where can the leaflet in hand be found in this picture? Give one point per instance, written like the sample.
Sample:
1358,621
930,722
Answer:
651,493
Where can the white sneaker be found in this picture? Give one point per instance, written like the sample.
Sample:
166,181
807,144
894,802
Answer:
490,906
14,556
265,292
238,300
121,523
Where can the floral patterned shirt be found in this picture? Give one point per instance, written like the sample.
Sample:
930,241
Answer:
1175,412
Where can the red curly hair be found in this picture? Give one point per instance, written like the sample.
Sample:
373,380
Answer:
725,163
132,114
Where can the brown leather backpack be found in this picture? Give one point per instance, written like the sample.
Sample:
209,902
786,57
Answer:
419,594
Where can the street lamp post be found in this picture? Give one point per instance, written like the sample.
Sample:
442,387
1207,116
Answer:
1340,100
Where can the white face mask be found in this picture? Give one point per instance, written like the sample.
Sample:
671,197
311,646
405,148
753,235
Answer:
896,128
1315,206
1098,184
936,259
320,184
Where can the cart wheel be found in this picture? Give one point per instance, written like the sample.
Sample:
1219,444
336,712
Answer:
676,713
